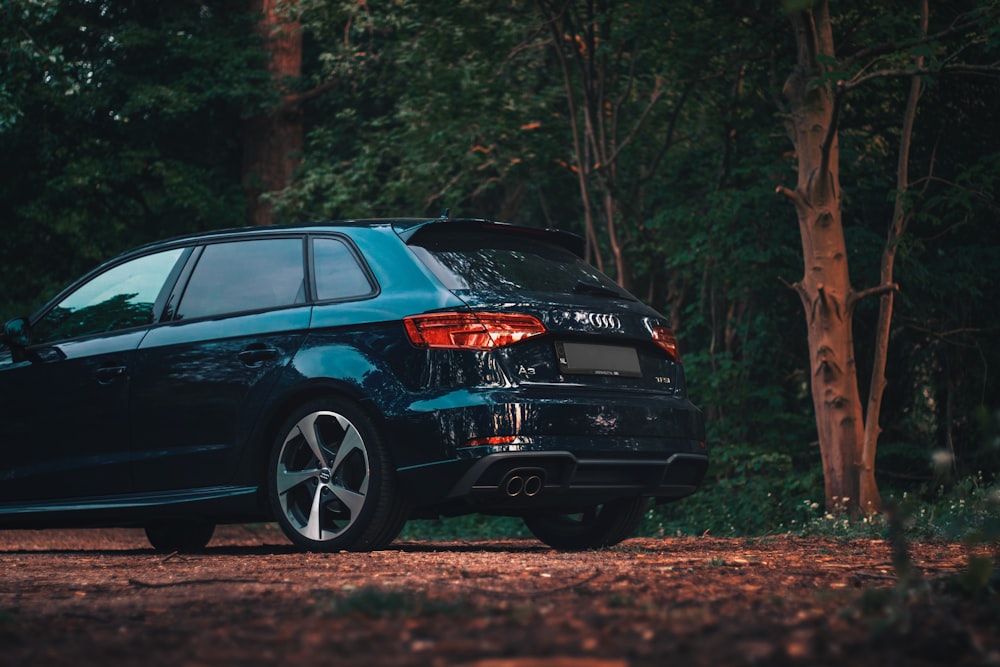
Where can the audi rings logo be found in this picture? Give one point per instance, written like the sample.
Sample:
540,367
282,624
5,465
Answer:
603,321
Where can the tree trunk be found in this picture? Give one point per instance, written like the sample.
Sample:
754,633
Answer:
582,36
825,287
273,140
869,499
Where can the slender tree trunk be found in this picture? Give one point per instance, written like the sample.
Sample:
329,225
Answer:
273,141
617,251
579,40
870,498
825,287
593,249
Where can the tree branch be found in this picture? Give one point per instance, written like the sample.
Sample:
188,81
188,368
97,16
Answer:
668,140
298,99
962,25
952,332
992,71
798,288
872,291
533,41
982,197
638,123
791,194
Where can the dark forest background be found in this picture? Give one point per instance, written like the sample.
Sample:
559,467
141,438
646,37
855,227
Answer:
656,130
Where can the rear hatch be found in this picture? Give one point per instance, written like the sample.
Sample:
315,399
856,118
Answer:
592,333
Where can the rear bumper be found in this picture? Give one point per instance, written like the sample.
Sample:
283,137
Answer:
511,481
559,475
500,450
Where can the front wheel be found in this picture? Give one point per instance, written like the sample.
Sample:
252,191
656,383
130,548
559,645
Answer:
596,527
330,480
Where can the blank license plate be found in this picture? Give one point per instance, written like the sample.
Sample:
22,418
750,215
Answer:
589,359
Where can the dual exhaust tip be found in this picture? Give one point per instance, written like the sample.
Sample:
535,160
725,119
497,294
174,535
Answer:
523,483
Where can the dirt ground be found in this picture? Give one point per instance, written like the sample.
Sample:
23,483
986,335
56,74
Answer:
103,597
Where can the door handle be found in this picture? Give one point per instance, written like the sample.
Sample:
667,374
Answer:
108,374
255,355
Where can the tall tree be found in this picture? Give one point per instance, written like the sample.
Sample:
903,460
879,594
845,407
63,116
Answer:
816,91
272,143
609,60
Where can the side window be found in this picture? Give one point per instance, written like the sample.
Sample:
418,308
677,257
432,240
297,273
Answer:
338,274
119,298
245,275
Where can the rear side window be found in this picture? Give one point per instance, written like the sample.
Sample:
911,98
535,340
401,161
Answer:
507,262
338,273
245,275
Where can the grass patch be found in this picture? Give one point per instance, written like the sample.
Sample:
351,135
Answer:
968,510
468,527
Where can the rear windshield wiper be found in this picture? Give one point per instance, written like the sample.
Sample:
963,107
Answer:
582,287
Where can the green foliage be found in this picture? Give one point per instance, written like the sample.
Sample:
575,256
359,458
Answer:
468,527
119,125
748,492
430,113
968,511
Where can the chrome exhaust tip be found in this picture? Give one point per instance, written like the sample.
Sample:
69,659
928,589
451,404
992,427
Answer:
533,486
514,486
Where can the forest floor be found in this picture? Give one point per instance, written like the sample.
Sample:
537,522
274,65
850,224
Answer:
103,597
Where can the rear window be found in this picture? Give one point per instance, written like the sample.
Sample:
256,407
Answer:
508,262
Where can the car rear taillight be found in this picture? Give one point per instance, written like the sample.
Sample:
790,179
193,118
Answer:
491,441
664,337
471,331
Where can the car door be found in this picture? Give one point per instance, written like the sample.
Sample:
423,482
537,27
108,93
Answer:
64,431
202,379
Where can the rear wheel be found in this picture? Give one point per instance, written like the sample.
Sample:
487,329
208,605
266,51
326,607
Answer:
598,526
330,480
179,535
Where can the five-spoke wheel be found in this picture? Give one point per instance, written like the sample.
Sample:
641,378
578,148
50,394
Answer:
331,481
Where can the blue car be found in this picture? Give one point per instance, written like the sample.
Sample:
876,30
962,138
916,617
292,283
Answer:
340,379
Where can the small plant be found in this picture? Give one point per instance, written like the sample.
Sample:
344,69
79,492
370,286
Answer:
969,512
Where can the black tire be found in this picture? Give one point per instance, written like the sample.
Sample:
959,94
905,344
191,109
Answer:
597,527
183,536
331,482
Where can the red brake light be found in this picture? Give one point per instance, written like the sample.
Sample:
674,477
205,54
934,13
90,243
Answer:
664,337
493,441
471,331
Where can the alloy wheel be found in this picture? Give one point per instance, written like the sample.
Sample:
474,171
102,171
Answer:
322,476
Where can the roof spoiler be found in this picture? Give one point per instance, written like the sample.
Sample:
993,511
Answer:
564,239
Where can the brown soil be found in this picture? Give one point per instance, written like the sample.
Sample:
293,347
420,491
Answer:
102,597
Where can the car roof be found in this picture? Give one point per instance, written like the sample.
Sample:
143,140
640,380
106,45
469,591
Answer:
406,228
